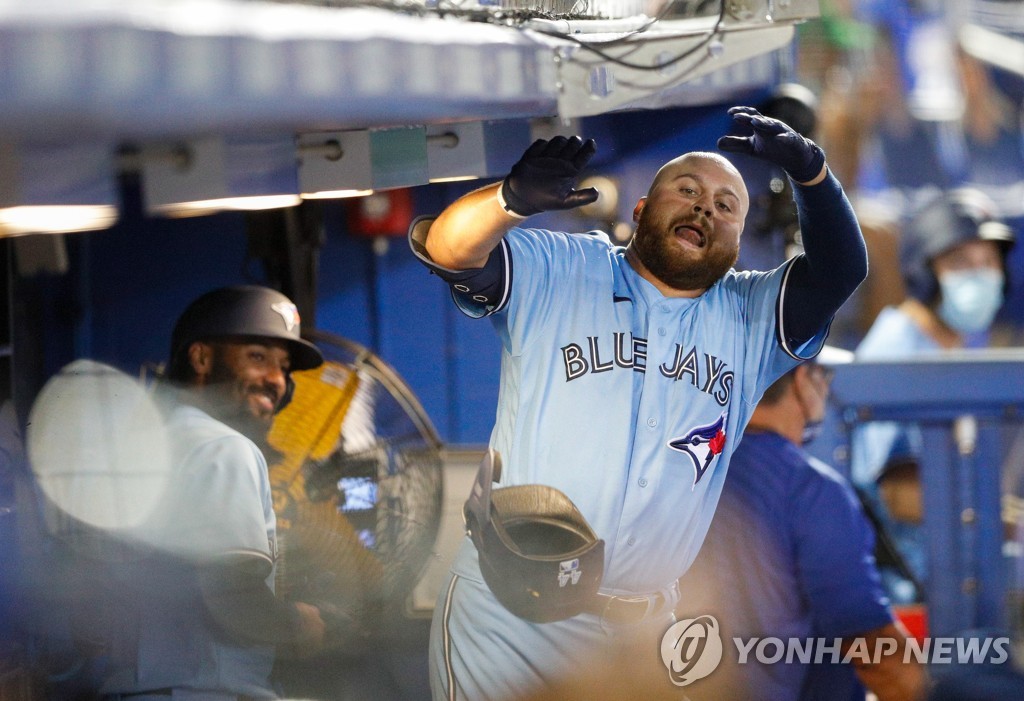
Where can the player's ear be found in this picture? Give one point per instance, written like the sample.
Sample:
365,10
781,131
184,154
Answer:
640,203
200,357
803,383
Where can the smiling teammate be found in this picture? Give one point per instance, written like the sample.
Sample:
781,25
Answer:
193,613
628,375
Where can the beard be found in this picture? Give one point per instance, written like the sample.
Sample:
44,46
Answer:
681,269
227,401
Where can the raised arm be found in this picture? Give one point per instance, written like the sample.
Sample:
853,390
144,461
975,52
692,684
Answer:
466,232
835,259
834,263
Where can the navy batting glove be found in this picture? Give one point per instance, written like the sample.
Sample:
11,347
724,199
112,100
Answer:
775,142
545,177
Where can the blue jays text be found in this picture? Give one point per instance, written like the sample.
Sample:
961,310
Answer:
715,380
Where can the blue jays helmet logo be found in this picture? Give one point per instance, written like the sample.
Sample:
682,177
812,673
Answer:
702,444
288,312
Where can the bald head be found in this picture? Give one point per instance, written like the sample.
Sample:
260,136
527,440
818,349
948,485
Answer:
689,224
696,161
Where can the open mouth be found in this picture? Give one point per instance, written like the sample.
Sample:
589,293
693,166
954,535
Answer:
264,402
692,235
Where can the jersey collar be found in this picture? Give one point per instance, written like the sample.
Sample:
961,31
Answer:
622,291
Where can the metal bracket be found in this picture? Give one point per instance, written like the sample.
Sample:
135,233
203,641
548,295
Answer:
601,75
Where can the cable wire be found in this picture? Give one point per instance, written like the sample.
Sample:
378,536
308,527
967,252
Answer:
589,46
519,16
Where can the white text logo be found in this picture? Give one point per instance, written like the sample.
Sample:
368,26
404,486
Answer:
832,650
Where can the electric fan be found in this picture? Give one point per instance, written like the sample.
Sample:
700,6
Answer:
357,487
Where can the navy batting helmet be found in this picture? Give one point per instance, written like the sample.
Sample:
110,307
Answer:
241,311
538,554
952,218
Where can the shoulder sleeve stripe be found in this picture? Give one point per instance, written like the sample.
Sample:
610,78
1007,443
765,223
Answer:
506,255
248,552
780,322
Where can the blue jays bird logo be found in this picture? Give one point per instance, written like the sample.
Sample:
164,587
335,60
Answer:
702,444
288,312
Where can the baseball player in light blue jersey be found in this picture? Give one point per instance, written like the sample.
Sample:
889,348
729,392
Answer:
628,375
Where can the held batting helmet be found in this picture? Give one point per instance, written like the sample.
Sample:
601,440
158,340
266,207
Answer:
953,218
538,554
241,311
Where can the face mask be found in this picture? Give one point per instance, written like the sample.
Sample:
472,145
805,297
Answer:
970,299
812,429
820,378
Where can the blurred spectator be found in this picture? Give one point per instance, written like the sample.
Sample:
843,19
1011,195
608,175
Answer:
954,265
908,111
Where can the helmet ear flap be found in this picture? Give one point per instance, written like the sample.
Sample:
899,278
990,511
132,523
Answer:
289,392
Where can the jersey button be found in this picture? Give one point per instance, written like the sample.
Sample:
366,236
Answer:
631,541
642,482
652,422
661,330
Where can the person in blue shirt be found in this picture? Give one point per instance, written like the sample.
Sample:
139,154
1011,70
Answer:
627,376
789,555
